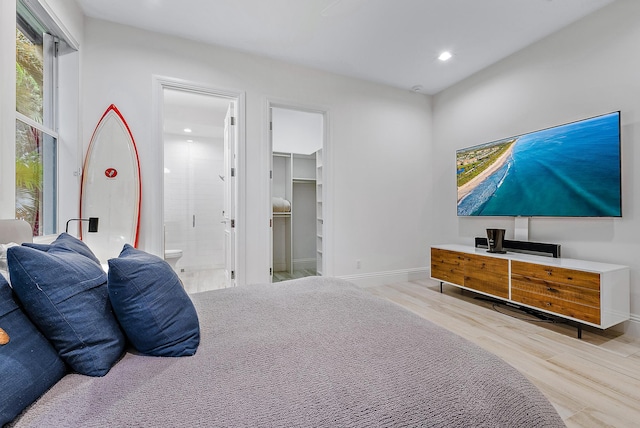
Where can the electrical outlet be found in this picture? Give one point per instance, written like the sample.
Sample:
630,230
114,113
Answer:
358,264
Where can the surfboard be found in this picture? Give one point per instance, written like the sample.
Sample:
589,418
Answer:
111,187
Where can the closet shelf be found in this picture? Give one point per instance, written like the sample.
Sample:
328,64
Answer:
304,180
280,214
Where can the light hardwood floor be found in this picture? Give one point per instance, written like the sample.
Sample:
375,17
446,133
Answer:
302,273
593,382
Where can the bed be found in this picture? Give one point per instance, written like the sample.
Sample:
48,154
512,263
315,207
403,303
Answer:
312,352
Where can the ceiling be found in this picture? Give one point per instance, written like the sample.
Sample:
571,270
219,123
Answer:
202,114
391,42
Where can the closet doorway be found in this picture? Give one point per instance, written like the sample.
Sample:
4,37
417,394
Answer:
297,192
199,187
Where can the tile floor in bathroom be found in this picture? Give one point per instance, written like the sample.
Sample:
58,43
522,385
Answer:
199,280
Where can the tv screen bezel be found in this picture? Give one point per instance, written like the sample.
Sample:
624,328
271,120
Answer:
527,215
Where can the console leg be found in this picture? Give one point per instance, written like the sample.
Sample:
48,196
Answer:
440,286
579,331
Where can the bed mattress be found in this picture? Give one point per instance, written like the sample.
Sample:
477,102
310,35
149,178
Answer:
313,352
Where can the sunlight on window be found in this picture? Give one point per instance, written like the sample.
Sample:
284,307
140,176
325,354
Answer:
36,143
29,77
35,178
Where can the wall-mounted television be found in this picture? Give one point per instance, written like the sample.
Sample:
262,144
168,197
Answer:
571,170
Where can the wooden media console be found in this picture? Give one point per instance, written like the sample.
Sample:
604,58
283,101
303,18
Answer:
591,293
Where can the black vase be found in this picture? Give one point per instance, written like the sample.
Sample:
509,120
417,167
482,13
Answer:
495,238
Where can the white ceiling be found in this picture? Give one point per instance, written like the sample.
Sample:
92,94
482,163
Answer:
203,114
394,42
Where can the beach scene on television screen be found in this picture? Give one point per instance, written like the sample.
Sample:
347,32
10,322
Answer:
570,170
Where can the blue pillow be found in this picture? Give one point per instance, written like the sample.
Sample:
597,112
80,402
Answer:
65,295
41,247
151,305
29,364
66,242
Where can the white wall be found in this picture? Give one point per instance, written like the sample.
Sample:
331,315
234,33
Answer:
379,145
7,109
586,69
296,131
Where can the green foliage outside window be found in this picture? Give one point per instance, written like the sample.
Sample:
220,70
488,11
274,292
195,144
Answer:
29,101
29,77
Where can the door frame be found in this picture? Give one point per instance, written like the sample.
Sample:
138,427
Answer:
160,83
327,187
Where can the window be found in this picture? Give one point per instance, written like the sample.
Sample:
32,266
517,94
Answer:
36,125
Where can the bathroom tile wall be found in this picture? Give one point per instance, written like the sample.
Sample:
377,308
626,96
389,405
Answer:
193,187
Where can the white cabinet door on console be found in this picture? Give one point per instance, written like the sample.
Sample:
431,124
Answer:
591,293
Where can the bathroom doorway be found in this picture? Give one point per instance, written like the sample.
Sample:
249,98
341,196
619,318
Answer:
199,187
298,192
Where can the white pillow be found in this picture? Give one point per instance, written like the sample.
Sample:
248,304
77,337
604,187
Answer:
4,269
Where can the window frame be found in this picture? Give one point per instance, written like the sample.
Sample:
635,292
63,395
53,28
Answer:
56,41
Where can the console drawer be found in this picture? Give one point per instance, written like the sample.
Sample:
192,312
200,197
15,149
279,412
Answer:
571,309
554,274
564,291
447,266
556,291
487,274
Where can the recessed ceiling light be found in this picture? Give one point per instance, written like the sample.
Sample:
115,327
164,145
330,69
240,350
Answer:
187,130
189,141
445,56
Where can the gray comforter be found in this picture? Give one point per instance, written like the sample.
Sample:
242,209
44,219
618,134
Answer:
314,352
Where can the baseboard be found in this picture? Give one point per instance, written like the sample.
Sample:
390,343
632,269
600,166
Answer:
631,327
279,267
301,264
382,278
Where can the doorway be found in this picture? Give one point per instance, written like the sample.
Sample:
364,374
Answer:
199,187
297,190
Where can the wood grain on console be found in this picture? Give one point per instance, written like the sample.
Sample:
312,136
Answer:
564,291
487,274
448,265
